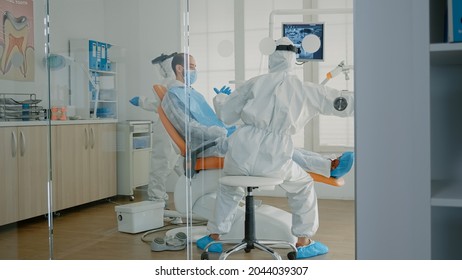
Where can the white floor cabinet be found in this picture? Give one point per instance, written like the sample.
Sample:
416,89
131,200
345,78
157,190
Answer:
134,146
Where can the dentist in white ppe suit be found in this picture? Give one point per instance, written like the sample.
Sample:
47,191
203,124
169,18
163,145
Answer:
273,107
164,158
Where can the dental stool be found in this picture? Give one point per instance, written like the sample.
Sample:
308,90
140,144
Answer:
250,240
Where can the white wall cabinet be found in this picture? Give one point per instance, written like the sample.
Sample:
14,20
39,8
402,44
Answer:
23,184
84,163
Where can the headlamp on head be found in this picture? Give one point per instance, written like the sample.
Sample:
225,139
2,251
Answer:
289,48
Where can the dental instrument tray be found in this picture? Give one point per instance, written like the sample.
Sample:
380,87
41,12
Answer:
20,107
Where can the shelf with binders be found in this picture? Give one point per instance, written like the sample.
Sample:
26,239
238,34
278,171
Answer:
445,97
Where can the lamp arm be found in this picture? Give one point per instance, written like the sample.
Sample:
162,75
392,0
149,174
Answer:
95,86
341,68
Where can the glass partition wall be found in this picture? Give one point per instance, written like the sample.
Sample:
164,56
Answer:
227,40
112,156
101,172
24,131
92,148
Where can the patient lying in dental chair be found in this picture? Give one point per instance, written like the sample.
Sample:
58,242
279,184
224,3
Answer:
206,127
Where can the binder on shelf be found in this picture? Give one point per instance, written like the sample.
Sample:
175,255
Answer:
108,61
92,53
98,56
103,58
454,21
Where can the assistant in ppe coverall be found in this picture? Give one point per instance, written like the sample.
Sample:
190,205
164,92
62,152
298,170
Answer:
164,158
273,107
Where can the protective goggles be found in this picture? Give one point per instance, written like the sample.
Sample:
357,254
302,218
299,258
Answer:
289,48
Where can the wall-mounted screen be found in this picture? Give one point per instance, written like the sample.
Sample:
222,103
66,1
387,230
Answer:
296,32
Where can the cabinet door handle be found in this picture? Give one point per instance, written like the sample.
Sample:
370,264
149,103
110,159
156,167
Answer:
23,143
14,144
92,137
86,138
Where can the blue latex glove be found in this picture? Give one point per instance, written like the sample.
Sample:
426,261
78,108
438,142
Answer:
226,90
230,129
135,101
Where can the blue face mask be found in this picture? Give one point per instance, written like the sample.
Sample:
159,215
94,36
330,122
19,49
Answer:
190,77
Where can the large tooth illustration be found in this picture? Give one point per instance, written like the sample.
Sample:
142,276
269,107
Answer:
15,35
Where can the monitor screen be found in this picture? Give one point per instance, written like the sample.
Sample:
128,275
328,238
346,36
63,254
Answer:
297,31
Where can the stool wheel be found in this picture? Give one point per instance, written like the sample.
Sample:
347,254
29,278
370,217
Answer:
204,256
247,250
292,255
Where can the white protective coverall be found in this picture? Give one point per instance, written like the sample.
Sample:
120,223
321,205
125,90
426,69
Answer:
164,158
272,107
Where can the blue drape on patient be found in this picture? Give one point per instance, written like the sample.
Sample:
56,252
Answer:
199,108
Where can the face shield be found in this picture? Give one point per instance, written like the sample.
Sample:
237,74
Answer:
163,62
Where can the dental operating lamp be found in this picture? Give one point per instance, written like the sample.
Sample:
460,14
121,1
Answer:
59,61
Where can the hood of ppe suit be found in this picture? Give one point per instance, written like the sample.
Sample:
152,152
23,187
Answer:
281,60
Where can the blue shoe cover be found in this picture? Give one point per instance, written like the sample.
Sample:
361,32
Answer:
344,166
312,250
214,248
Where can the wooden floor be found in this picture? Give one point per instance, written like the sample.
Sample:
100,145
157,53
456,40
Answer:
90,233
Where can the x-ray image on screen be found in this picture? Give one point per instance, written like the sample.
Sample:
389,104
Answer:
297,31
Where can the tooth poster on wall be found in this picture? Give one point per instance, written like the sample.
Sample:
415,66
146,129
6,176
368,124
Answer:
17,53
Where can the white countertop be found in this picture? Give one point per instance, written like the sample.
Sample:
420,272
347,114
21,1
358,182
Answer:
68,122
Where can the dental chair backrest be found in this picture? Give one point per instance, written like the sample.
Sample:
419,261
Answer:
200,163
216,162
174,135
